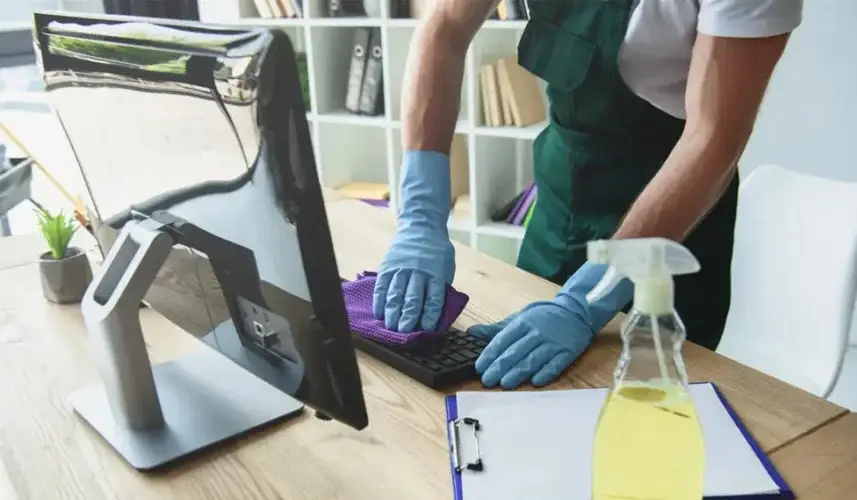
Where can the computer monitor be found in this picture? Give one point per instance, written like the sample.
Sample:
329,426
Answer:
196,153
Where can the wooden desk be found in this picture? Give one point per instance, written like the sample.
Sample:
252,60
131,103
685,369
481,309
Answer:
46,452
823,464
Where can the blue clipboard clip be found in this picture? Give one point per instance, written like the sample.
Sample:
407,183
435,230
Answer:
454,431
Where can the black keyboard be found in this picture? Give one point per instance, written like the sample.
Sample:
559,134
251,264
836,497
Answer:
449,361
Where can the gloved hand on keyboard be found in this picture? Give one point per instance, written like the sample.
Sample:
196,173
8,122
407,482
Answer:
538,343
411,285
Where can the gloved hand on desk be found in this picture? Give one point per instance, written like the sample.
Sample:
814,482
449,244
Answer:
538,343
411,285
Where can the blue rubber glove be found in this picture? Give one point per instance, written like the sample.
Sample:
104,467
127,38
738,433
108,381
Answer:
546,337
411,285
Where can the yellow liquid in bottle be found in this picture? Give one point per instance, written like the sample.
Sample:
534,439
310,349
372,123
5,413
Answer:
648,445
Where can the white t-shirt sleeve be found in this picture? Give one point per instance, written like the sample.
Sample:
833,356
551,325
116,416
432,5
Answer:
748,18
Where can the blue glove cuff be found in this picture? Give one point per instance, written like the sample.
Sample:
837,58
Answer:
600,312
425,187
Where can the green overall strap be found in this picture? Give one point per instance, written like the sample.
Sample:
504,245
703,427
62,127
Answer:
601,148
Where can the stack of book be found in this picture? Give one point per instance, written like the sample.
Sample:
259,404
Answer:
511,95
518,211
279,8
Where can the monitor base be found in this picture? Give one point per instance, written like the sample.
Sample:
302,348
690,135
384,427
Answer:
205,399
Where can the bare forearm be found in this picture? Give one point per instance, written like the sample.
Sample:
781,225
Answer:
726,84
688,185
434,72
432,91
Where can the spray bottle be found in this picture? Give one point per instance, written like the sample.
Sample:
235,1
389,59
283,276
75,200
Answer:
648,443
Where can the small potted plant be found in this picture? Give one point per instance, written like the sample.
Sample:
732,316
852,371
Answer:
64,269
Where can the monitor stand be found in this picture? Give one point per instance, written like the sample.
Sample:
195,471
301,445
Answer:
154,415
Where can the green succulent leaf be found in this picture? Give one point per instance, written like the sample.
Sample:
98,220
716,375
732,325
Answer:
57,229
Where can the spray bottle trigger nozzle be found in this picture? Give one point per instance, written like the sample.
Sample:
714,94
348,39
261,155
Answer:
608,282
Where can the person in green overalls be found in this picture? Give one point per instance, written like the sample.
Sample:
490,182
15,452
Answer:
651,104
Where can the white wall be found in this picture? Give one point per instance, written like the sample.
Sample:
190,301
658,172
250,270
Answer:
808,121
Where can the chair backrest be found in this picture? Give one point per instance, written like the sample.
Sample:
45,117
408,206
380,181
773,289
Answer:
794,276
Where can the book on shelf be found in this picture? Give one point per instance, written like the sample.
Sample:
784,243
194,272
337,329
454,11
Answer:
510,10
519,210
459,169
279,8
511,95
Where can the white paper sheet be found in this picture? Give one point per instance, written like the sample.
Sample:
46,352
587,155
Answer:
539,445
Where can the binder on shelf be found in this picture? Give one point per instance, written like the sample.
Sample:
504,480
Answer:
530,213
400,9
528,199
303,71
519,209
372,93
362,38
345,8
493,437
503,214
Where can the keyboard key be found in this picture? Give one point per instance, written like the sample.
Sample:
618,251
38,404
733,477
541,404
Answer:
467,353
458,357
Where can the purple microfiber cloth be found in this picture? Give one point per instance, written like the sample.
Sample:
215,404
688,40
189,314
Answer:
358,304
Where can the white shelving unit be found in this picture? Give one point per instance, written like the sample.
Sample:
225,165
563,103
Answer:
352,148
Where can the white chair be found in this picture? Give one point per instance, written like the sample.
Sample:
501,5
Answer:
794,276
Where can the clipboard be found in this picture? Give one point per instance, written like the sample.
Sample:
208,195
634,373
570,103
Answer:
472,446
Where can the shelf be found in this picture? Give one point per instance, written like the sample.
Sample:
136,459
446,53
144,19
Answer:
461,127
457,224
271,22
346,22
528,133
402,23
502,229
350,147
498,246
504,25
351,154
345,117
